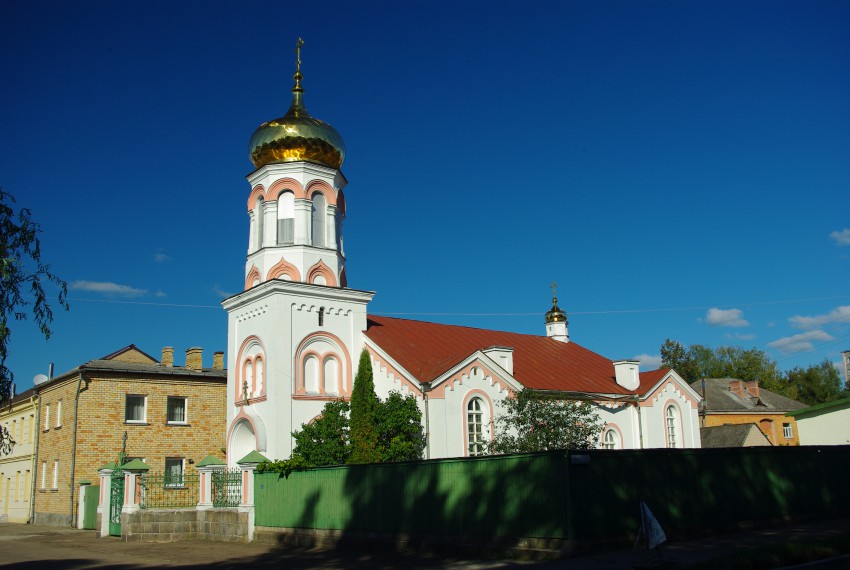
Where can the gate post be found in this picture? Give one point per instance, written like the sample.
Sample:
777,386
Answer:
248,465
206,467
105,474
132,489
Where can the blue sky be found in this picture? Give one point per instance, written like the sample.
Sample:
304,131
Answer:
681,169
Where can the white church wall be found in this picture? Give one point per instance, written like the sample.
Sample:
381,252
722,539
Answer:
451,400
621,418
654,416
293,322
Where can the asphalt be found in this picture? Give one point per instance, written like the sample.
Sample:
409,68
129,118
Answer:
31,547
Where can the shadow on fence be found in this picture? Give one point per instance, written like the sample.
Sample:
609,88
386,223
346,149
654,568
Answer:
560,495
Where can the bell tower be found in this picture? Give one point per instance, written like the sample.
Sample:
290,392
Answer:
296,329
296,206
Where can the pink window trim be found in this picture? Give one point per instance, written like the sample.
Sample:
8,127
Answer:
490,420
343,359
240,371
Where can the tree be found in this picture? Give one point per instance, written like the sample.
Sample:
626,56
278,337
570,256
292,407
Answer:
537,421
22,278
392,432
326,440
364,411
400,435
674,355
698,361
816,384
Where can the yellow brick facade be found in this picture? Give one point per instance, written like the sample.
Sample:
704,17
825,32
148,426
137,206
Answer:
770,424
101,426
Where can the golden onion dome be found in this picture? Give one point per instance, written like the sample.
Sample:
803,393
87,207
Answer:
555,314
296,136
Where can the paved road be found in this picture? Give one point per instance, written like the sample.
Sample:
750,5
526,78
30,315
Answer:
31,547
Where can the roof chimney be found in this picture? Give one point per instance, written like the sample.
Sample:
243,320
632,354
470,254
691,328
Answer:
195,358
218,360
737,388
168,356
752,388
626,373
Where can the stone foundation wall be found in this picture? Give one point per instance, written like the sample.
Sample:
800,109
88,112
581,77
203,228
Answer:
171,525
52,519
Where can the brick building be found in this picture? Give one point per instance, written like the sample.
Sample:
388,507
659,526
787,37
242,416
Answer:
18,417
727,401
126,402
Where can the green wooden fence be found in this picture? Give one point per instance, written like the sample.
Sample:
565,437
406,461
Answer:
571,495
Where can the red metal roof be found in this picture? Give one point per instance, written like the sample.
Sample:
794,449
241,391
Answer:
427,350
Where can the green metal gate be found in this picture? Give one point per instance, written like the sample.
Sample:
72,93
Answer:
226,488
116,502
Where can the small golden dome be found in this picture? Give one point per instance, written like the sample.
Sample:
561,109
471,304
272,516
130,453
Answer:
555,314
296,136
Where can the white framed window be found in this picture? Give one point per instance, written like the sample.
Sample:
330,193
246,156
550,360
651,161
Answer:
318,220
59,413
286,218
260,222
173,471
788,431
27,485
43,475
611,439
46,417
176,410
135,410
55,474
475,427
671,415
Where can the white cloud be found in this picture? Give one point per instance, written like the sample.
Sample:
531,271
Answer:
161,294
799,342
836,315
221,292
725,318
842,237
161,257
648,361
108,288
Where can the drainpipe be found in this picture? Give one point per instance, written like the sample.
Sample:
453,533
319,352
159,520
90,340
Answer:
37,430
640,421
74,449
426,387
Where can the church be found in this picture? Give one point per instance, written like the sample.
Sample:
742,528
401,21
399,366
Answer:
296,331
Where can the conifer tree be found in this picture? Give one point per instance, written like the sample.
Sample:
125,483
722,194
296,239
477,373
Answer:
364,410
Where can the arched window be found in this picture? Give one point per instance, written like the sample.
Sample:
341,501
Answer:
251,371
260,222
475,426
311,375
331,376
286,218
672,421
318,219
611,440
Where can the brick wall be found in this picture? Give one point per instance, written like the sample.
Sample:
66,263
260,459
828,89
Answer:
769,424
101,427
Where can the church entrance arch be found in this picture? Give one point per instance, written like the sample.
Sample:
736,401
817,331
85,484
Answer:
243,441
